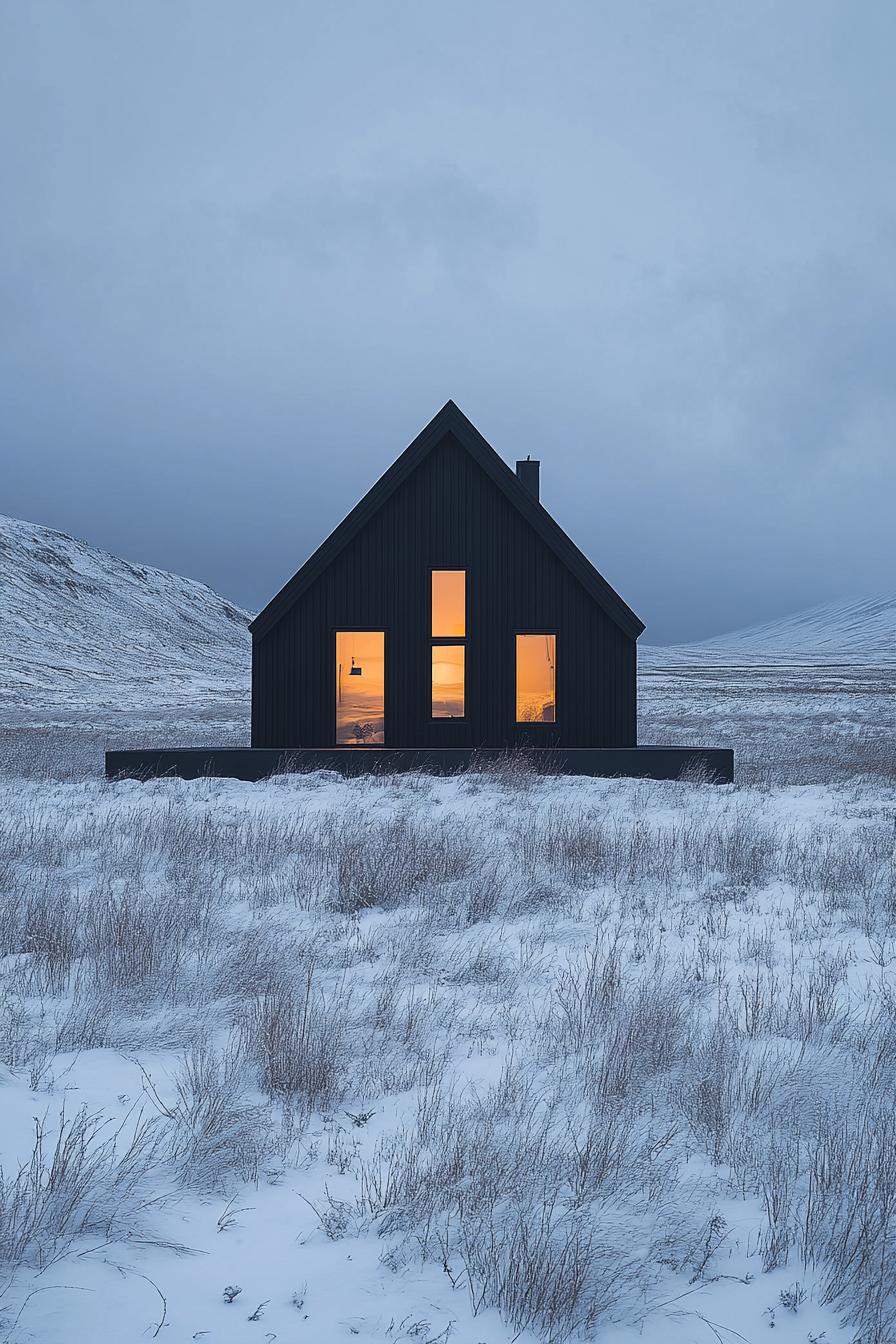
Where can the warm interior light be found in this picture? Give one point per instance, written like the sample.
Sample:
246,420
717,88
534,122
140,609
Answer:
360,688
449,603
447,681
536,678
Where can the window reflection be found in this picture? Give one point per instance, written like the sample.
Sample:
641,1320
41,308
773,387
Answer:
535,678
447,681
448,602
360,688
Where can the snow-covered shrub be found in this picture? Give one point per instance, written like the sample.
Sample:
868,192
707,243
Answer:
215,1131
294,1034
85,1180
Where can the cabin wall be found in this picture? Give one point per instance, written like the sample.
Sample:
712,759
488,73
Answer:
447,515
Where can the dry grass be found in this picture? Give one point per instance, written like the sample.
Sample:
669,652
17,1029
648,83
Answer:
597,1011
87,1180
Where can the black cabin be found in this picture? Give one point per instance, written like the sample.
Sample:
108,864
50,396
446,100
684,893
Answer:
447,610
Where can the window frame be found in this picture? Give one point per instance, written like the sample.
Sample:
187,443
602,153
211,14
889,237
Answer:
535,725
462,640
344,629
448,644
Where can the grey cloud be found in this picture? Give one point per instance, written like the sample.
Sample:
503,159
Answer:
653,245
395,221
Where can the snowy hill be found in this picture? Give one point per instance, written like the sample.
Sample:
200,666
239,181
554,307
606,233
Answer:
80,628
857,633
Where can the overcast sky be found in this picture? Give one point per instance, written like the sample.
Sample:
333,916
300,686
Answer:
248,250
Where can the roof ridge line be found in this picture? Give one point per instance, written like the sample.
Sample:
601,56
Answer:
451,419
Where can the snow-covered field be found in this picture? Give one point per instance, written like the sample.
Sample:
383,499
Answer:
486,1058
481,1059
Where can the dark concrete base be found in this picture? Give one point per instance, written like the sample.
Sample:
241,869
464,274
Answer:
712,764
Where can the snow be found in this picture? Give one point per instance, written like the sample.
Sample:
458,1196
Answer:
858,632
504,971
81,628
482,990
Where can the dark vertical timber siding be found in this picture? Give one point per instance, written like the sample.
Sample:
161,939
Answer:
447,515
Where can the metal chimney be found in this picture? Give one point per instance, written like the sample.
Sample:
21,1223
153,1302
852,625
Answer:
528,475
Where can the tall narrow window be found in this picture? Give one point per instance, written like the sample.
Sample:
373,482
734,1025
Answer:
448,626
536,658
449,603
360,688
447,681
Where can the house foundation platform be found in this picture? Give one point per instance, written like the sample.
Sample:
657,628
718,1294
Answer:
710,764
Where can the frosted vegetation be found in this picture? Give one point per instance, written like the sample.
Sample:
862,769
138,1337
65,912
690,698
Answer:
483,1059
487,1058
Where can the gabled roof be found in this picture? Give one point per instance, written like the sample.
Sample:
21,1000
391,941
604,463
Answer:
451,420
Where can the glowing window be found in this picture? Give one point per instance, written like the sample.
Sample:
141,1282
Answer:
447,681
360,688
536,657
449,603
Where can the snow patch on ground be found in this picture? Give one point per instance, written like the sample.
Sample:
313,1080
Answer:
624,1012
